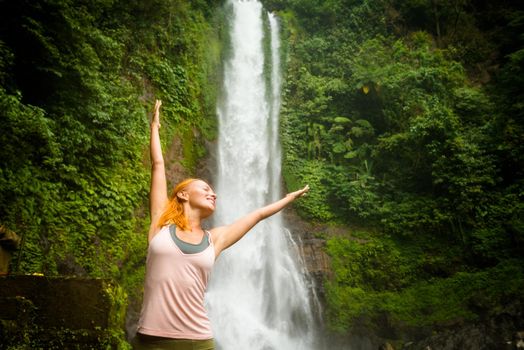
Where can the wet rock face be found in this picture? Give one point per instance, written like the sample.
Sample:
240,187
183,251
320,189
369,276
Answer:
316,263
311,250
314,256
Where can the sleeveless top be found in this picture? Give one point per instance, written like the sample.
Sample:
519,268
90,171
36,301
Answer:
174,288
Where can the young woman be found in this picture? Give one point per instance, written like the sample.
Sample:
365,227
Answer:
181,255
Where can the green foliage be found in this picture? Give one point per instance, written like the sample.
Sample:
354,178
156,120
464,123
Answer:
378,276
77,82
313,174
371,265
405,116
402,116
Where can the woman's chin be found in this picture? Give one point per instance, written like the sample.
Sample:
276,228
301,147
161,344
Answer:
207,213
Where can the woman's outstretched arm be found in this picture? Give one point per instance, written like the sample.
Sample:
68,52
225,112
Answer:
158,195
226,236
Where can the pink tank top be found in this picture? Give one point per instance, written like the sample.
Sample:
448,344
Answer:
174,288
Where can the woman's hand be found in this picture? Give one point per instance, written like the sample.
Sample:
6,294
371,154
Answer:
299,193
156,114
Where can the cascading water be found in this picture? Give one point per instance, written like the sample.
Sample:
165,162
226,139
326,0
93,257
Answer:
258,297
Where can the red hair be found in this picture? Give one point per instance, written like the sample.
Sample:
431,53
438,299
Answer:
174,212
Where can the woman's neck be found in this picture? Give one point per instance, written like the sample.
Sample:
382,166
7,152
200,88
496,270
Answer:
195,223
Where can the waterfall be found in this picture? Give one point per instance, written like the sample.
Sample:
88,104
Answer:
258,296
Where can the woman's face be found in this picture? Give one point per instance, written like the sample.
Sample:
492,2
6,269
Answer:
202,196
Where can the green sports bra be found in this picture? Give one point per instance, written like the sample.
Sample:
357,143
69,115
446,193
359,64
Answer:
188,248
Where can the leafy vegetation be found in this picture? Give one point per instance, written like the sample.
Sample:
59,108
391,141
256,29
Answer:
77,82
404,118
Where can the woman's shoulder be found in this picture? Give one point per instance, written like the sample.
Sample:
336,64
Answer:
155,230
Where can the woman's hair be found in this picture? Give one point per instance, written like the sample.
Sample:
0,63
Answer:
174,212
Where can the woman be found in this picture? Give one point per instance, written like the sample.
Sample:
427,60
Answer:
181,255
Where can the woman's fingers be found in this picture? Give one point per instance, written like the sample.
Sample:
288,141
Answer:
299,193
158,103
156,113
304,190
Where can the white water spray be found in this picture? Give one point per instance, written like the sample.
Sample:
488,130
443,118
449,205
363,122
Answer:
258,297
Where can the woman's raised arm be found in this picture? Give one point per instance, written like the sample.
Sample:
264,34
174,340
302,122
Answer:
226,236
158,195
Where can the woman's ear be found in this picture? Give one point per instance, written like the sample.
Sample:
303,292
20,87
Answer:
182,195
